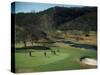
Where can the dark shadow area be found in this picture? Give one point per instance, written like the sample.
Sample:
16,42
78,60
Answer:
86,46
68,42
23,50
83,57
50,42
34,47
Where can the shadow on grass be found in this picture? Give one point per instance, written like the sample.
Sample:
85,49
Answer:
86,46
68,42
34,47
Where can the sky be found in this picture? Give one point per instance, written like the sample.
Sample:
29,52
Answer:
37,7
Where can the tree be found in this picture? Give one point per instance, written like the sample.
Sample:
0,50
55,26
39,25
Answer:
36,34
46,23
21,35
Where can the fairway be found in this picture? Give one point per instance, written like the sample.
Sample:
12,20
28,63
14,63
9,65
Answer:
67,58
38,58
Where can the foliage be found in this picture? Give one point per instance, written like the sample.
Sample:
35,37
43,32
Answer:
36,26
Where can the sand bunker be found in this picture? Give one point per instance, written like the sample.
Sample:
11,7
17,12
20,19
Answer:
89,61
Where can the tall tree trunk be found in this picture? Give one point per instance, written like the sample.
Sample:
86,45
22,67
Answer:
32,42
24,43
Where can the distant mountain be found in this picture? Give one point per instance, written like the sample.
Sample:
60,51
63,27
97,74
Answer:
87,21
56,17
64,14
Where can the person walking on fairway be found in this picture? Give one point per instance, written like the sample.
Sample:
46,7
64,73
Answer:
45,54
54,52
29,53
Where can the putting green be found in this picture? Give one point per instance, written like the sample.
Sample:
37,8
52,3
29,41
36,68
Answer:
38,58
66,59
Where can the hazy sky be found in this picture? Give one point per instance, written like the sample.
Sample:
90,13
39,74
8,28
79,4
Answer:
28,6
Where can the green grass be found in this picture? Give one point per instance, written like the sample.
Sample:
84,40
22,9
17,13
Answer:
66,59
38,58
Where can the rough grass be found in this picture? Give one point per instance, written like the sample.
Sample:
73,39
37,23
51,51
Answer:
91,40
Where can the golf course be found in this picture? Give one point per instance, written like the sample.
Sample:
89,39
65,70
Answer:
67,57
53,37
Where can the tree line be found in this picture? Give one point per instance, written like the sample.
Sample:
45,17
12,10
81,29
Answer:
37,25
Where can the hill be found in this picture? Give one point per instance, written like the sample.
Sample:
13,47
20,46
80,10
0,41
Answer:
87,21
53,17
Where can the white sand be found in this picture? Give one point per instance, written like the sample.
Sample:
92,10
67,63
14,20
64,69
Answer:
90,61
